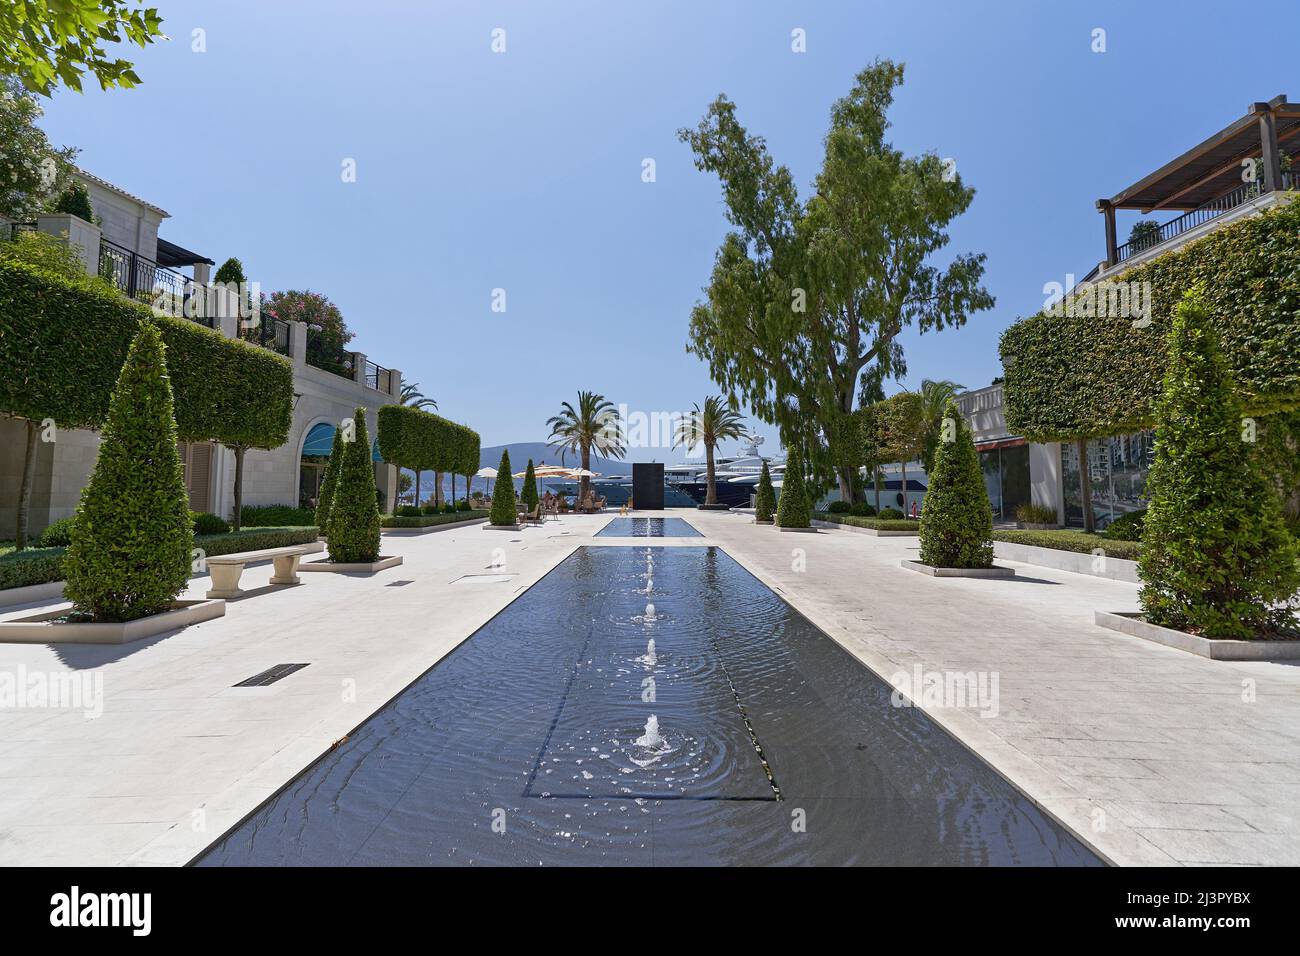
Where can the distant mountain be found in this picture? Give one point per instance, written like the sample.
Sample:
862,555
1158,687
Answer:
520,452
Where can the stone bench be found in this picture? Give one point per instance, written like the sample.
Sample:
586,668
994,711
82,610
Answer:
226,569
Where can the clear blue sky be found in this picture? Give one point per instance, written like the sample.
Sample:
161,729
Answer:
522,170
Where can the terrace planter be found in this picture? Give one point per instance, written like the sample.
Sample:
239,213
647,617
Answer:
768,521
503,527
43,628
993,572
1219,650
365,567
809,530
858,529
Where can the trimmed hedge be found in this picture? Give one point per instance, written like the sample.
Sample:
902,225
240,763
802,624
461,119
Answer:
276,516
429,521
224,390
528,493
765,499
353,531
875,524
1086,377
42,565
1070,539
503,494
793,509
1126,527
132,534
422,441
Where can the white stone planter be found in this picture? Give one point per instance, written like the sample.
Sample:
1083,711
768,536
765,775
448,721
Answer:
502,527
1219,650
993,572
1100,566
433,528
379,564
31,594
871,531
807,530
42,629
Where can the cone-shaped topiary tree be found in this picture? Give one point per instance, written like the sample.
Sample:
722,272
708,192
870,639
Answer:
354,512
1216,558
957,522
129,555
765,499
503,495
529,491
793,509
329,483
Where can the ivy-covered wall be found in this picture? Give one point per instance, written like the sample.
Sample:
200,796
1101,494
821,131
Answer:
62,346
1087,377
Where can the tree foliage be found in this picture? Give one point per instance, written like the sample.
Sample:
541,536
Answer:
32,171
765,498
47,42
716,422
529,491
354,511
805,296
957,522
504,507
328,482
793,509
131,540
593,423
327,332
1216,557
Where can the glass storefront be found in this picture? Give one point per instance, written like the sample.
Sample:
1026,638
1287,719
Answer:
1117,468
1006,479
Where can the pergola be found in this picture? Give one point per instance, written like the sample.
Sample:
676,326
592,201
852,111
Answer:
1213,168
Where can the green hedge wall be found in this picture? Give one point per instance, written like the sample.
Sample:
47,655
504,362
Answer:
42,565
429,521
416,439
62,346
1085,377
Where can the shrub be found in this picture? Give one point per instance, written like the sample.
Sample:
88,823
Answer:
1035,514
863,509
793,508
207,523
765,499
131,539
276,516
20,569
1126,527
503,495
1216,557
75,200
427,521
431,510
58,534
329,482
956,525
875,523
448,508
529,492
891,514
354,515
1071,539
839,508
464,505
408,511
255,539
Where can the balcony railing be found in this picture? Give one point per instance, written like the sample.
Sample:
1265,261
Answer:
154,285
377,377
1204,213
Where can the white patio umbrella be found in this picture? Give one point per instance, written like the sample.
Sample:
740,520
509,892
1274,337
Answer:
486,473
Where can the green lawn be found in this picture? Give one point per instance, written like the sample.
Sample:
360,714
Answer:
875,524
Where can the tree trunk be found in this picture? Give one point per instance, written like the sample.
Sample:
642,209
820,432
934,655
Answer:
585,484
711,495
239,486
876,471
25,492
437,489
1085,486
453,489
903,466
845,477
417,487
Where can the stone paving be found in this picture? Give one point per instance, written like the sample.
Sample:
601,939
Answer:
1151,755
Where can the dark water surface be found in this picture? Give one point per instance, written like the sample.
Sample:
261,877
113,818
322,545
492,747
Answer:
528,744
648,528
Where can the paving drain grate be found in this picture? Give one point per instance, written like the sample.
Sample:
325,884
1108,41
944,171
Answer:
270,675
398,584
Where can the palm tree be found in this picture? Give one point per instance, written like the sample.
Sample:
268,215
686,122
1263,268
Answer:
412,396
594,424
718,421
935,396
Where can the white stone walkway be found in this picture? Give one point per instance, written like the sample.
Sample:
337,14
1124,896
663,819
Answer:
1149,754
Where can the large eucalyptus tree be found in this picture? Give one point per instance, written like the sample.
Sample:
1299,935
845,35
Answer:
805,295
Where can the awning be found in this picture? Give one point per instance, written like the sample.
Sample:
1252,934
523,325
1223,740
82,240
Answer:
320,441
1000,443
172,256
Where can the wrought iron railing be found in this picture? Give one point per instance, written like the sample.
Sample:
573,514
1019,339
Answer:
154,285
377,377
1203,213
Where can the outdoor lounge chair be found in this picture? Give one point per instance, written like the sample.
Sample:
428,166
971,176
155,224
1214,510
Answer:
532,517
